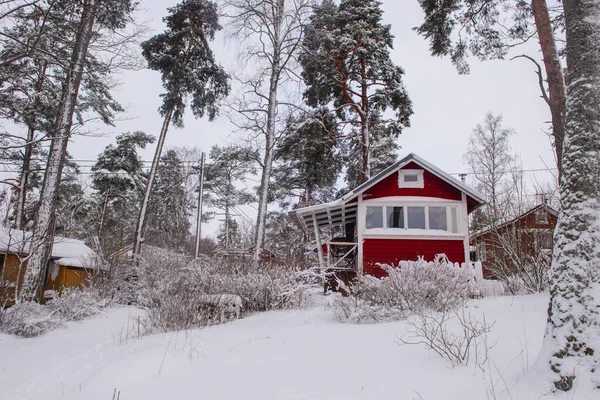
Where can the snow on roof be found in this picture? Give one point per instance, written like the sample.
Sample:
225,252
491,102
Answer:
65,251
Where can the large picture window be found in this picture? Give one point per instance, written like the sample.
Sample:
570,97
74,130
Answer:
435,218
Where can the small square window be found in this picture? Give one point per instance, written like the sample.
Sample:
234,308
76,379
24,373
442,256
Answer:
410,178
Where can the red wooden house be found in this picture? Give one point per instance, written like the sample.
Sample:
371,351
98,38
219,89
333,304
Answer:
524,239
411,209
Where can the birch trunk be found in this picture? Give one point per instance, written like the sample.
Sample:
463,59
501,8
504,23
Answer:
263,200
139,230
42,235
572,345
554,74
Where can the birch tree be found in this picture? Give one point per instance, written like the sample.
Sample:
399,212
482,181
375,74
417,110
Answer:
346,61
571,349
94,17
189,73
271,31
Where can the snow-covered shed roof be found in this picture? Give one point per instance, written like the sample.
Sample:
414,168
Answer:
65,251
343,210
542,206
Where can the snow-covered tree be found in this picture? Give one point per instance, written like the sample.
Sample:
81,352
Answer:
346,62
384,150
308,162
228,168
34,49
189,73
271,32
119,181
571,349
168,220
490,161
94,17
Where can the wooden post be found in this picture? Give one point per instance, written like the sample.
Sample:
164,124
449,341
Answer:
200,193
319,245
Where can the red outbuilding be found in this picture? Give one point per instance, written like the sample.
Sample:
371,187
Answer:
411,209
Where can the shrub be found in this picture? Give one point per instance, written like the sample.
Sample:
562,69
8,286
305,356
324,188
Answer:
75,305
414,286
173,287
28,319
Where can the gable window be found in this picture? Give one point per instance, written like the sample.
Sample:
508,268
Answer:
416,217
541,217
410,178
374,217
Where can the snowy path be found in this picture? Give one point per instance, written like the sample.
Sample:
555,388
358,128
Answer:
301,354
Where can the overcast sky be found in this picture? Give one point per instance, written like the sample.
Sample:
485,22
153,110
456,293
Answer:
446,105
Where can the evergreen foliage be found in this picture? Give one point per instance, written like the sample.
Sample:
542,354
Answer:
119,181
168,219
308,159
346,62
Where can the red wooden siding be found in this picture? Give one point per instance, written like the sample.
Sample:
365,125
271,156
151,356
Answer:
433,187
390,251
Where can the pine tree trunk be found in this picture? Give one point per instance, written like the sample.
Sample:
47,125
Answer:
261,219
554,73
42,234
24,180
571,345
364,126
139,230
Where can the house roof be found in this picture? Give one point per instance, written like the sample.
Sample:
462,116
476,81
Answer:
548,209
343,209
65,251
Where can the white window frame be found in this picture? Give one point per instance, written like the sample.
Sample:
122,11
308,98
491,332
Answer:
419,183
452,230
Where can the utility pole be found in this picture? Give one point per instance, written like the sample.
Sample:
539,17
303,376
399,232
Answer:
200,193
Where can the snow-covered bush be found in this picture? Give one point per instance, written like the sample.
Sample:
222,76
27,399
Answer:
28,319
74,304
412,286
172,288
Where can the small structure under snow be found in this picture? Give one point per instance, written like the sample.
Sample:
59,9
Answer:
71,263
411,209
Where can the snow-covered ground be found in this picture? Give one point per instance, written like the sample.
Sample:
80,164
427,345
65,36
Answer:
299,354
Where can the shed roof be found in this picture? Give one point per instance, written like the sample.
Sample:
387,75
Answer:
343,209
65,251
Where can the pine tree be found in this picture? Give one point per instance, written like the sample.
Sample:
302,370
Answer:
308,160
118,179
346,61
168,220
183,56
93,17
488,30
228,168
571,348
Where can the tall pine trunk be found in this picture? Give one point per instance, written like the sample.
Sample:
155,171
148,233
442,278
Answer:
42,235
28,154
139,230
554,74
267,167
571,344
